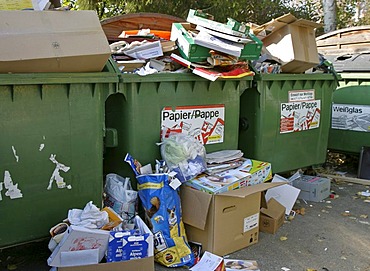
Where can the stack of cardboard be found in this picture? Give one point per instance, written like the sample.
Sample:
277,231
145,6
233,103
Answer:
199,35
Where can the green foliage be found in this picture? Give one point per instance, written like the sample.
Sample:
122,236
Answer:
255,11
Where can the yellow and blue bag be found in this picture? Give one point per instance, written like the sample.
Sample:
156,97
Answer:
163,212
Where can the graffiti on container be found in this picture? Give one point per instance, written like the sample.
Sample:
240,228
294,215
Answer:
59,180
42,146
15,154
12,190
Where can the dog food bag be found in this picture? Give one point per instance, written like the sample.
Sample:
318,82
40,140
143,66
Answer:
163,217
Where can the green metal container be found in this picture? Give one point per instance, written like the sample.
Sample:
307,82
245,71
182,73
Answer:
350,127
52,128
134,116
285,119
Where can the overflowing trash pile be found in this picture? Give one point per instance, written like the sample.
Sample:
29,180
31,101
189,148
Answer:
177,216
214,50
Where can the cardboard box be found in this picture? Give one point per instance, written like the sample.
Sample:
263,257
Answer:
180,32
190,50
79,246
272,216
313,188
291,40
223,223
53,41
142,264
250,173
145,264
232,27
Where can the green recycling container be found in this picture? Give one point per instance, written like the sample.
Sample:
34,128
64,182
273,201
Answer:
350,124
51,142
285,119
153,106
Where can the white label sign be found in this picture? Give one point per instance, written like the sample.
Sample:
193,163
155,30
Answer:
299,116
301,95
206,123
251,222
351,117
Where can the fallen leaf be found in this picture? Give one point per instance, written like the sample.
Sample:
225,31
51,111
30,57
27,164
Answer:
310,269
329,207
346,214
363,216
283,238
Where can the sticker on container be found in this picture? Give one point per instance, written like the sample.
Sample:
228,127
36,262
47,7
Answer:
251,222
301,95
12,190
300,116
351,117
206,123
59,180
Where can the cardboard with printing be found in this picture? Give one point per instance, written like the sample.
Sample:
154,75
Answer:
313,188
143,264
225,222
250,173
292,41
272,215
52,41
130,244
196,49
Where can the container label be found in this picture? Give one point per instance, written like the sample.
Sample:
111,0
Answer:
299,116
351,117
301,95
251,222
205,123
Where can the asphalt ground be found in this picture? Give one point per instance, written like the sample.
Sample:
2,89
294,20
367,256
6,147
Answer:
332,235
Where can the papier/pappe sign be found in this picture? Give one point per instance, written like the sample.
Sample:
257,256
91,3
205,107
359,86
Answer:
204,122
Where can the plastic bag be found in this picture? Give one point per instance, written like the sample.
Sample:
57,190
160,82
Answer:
120,197
185,155
163,214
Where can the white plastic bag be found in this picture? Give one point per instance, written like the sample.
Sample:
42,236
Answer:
184,154
120,197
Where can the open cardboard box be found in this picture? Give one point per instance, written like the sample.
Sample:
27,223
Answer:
52,41
225,222
90,237
272,215
291,40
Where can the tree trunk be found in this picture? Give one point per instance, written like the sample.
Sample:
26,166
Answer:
330,15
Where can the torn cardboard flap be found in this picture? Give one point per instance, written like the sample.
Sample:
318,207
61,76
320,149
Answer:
202,202
249,190
277,23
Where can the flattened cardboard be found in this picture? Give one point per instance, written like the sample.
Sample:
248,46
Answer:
53,41
285,194
145,264
272,216
215,232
